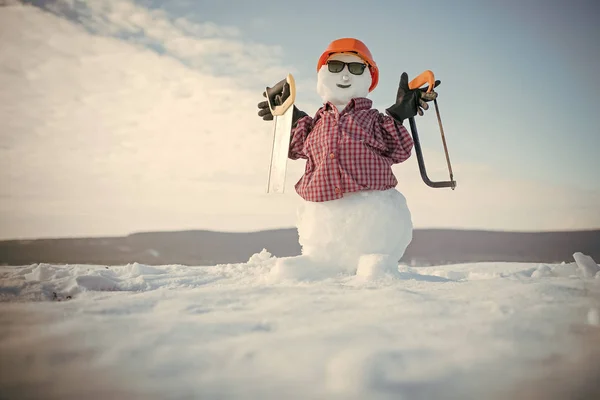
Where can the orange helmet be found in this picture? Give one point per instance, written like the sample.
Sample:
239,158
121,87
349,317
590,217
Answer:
350,45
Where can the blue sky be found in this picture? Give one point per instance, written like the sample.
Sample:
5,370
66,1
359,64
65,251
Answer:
113,101
519,78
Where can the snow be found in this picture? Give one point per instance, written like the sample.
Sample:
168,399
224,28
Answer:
336,234
593,317
239,331
327,82
586,265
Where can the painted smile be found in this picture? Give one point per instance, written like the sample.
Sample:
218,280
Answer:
343,86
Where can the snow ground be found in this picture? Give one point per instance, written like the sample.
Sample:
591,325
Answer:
239,331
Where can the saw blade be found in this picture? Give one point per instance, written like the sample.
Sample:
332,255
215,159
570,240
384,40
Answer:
279,155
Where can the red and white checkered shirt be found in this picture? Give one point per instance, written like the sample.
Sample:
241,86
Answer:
349,151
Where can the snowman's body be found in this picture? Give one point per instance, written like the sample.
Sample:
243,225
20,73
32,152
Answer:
339,233
353,220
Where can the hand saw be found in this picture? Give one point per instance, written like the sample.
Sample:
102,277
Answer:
282,116
429,78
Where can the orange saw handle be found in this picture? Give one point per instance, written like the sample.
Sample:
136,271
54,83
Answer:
425,77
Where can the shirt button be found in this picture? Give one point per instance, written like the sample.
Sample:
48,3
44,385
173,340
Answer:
332,156
338,190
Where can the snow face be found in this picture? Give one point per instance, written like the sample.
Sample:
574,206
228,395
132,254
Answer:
336,234
328,83
470,331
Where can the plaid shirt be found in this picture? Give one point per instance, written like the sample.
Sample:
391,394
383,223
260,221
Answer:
349,151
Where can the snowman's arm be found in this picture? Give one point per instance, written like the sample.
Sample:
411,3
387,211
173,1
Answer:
299,134
396,138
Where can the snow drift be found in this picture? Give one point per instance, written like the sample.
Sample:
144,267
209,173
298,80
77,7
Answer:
241,331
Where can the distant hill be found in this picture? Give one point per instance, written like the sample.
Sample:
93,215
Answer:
429,246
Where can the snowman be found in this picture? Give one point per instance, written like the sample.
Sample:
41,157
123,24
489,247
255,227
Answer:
353,219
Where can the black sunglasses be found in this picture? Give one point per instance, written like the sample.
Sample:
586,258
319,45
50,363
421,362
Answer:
355,68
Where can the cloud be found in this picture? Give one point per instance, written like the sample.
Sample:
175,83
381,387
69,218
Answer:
206,46
486,199
101,134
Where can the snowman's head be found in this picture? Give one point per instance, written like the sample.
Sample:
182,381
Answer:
343,77
339,83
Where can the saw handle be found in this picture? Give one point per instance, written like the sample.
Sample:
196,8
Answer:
283,90
426,76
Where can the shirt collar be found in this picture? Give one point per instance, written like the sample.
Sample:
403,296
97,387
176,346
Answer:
355,104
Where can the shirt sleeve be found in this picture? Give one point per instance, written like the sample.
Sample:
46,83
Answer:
299,134
398,142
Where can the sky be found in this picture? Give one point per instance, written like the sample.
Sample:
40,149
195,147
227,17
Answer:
124,116
501,63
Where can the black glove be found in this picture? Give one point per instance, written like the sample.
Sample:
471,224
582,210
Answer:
278,99
410,102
